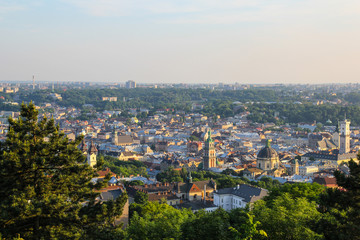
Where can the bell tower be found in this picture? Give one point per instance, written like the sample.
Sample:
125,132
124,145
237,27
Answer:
344,136
91,156
209,152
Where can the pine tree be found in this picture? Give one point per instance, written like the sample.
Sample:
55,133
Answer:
46,190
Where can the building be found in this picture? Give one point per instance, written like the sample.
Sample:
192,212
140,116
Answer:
122,140
330,156
130,84
238,197
344,136
209,152
268,160
294,167
195,191
91,156
110,99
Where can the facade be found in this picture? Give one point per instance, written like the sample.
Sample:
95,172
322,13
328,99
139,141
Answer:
344,136
209,152
195,191
238,197
91,156
130,84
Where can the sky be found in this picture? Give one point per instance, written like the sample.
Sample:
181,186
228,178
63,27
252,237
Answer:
181,41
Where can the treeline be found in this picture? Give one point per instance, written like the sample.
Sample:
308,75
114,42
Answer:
153,98
215,102
292,211
307,113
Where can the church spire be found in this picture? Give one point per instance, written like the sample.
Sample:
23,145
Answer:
190,177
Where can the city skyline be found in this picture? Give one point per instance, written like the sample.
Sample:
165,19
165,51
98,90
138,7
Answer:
250,42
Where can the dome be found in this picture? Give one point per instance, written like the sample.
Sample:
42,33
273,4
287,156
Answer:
267,151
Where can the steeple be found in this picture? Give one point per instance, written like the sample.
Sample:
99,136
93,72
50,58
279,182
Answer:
189,177
92,148
268,143
209,139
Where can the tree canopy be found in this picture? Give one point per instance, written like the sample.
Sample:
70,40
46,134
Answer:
46,190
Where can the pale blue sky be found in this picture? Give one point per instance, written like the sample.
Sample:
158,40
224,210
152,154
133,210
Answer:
188,41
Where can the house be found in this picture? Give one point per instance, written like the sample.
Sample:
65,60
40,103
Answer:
192,191
238,197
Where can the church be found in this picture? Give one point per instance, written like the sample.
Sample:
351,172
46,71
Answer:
267,163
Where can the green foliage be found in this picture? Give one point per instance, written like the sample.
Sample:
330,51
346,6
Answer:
288,218
214,225
310,191
45,183
170,175
158,221
125,168
141,198
341,207
297,113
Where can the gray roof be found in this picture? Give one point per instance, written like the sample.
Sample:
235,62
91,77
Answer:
247,192
110,195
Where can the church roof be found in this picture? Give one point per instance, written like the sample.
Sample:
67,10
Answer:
92,148
267,151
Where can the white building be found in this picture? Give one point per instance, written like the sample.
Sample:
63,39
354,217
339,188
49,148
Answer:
308,170
238,197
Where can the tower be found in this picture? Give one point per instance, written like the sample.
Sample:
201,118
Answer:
209,152
91,156
294,170
115,139
344,136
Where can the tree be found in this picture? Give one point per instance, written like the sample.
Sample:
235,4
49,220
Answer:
141,198
158,221
46,190
214,225
341,206
249,230
288,218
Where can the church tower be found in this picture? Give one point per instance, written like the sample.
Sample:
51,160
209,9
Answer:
209,152
344,136
115,139
91,156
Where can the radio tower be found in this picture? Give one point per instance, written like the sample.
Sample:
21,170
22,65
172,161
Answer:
33,82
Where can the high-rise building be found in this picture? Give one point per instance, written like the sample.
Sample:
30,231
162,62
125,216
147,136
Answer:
209,152
130,84
344,136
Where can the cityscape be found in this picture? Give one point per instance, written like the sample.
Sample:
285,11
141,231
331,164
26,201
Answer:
179,120
203,154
